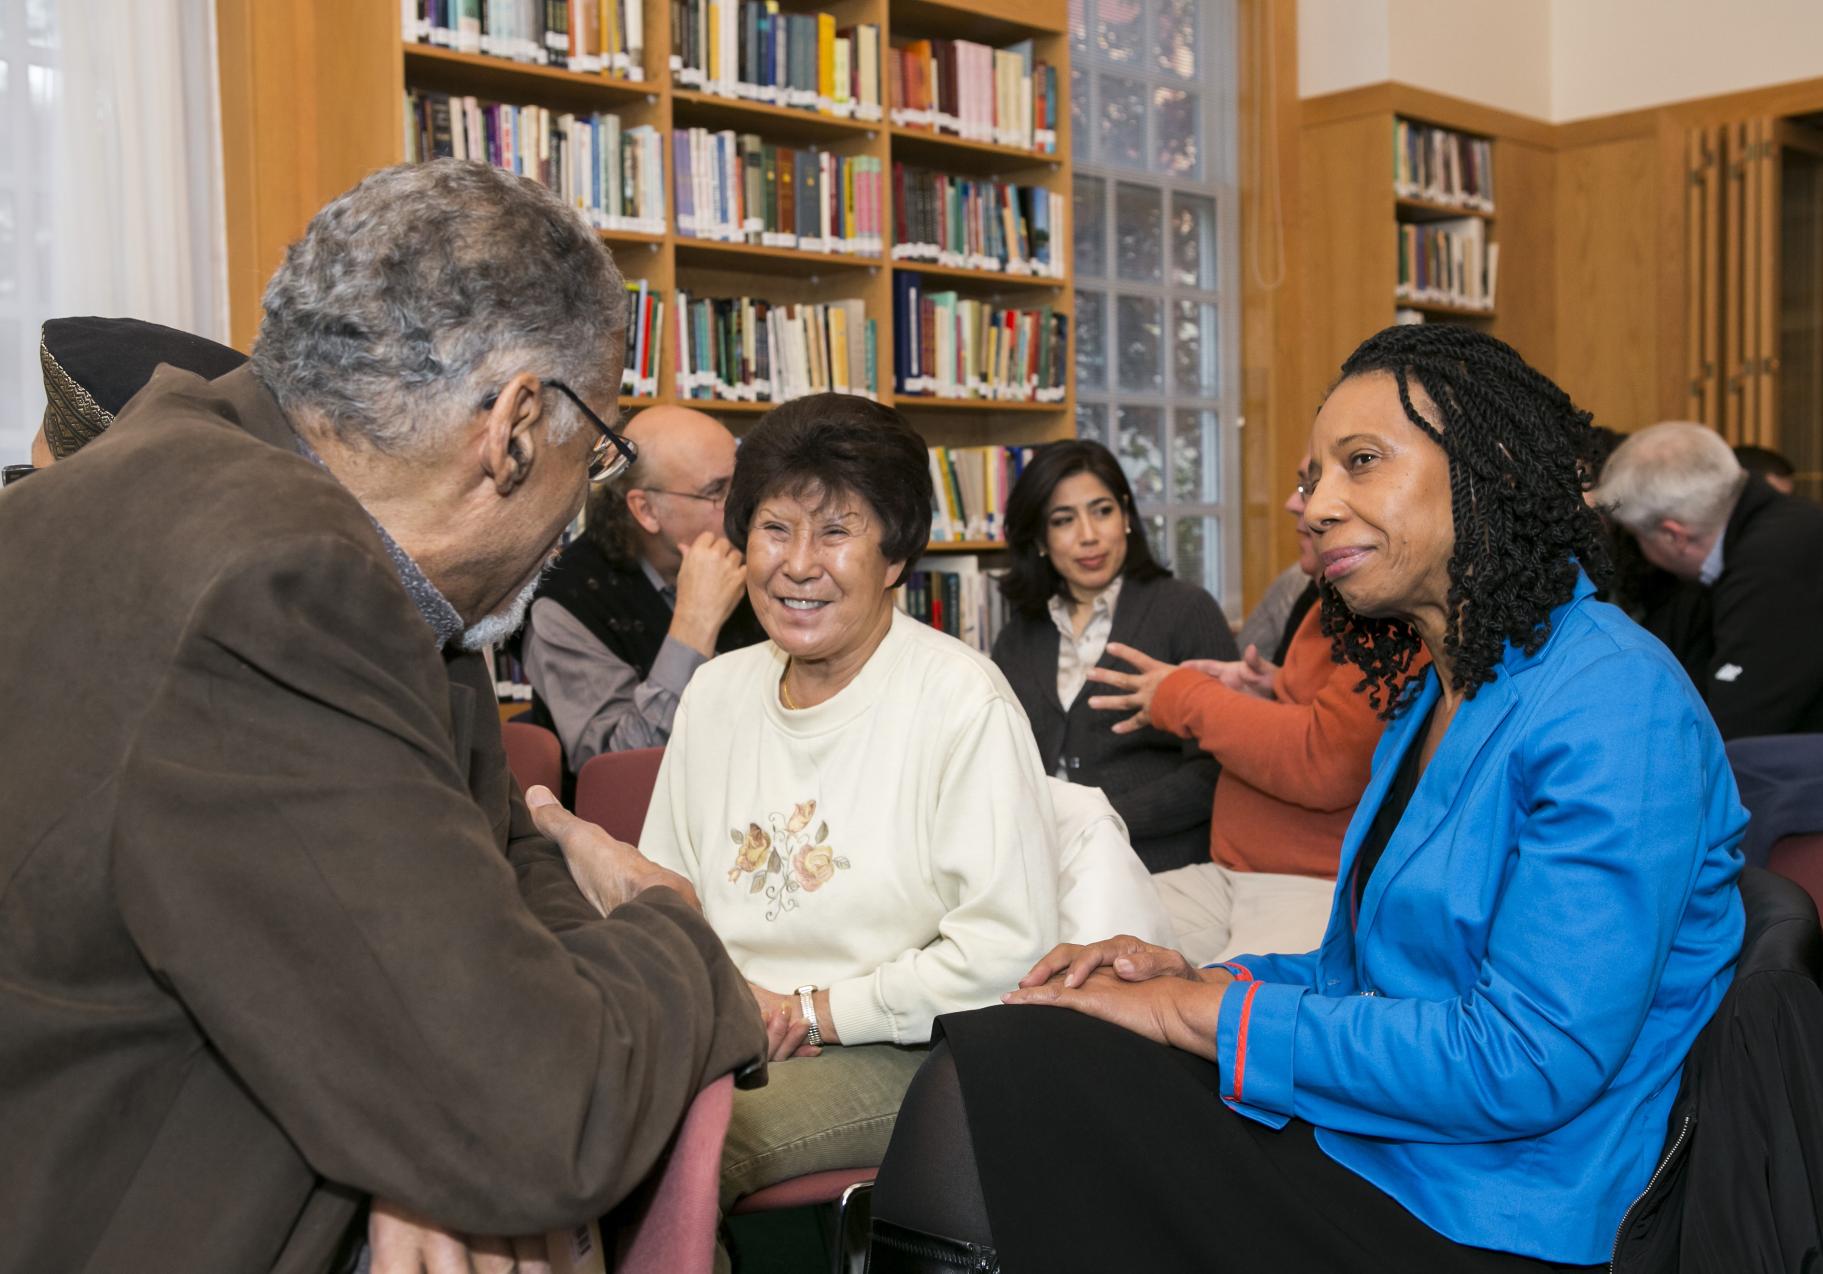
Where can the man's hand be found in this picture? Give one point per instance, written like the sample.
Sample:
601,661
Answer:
1252,673
608,871
710,582
1140,686
403,1243
1181,1012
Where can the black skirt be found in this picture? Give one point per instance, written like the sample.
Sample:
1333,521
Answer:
1100,1151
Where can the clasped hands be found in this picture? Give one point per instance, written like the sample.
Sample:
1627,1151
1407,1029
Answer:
1251,674
1149,990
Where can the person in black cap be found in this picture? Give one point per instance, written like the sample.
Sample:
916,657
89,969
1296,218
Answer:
94,366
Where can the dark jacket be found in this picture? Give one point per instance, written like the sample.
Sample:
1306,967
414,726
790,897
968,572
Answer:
1750,642
629,617
1161,785
1740,1183
276,931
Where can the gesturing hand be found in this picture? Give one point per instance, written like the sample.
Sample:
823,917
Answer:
1139,686
402,1243
710,581
607,871
1252,673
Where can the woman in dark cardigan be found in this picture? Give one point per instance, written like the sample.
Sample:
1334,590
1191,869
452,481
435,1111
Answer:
1082,576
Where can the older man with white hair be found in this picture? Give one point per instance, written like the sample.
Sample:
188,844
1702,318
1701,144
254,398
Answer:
1750,634
277,933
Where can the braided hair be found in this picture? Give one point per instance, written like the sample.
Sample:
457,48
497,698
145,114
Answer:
1514,441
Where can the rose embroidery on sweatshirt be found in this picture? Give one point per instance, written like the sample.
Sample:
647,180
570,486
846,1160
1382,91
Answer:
785,858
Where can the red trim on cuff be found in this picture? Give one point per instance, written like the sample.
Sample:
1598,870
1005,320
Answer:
1240,971
1240,1040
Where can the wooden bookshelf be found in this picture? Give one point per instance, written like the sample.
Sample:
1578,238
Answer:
1350,213
285,155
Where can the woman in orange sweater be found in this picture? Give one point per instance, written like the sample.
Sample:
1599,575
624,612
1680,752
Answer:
1295,743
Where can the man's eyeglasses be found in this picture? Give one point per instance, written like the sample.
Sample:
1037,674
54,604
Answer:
717,498
14,472
612,454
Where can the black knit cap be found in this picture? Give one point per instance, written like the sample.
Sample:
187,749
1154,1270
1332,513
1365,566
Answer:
93,366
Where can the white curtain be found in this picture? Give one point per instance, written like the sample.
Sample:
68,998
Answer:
118,200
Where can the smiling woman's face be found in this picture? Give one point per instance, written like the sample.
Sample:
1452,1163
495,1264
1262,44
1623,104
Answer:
816,575
1379,511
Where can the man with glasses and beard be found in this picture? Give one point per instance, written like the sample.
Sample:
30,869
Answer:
649,593
280,936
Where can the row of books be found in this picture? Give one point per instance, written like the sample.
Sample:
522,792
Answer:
645,326
739,189
750,50
954,595
951,346
740,349
613,175
976,92
596,36
972,486
1442,166
975,223
1448,263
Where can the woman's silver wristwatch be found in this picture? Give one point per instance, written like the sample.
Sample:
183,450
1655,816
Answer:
809,1007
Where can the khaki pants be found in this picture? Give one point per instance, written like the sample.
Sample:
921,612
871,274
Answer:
1219,913
816,1113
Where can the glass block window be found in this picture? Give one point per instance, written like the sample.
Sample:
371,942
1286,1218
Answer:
1157,230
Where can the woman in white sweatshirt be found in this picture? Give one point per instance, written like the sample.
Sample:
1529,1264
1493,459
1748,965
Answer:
858,802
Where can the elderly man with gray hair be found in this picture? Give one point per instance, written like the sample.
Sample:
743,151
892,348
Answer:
277,933
1747,625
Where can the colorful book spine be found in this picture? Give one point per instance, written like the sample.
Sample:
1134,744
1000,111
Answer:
604,37
974,91
737,188
742,349
748,49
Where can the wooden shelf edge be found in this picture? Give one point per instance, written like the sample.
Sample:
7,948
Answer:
950,141
707,247
925,402
980,276
1438,307
1433,210
966,546
690,97
436,55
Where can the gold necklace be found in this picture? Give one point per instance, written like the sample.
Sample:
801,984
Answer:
784,690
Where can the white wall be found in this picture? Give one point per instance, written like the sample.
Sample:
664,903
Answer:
1491,51
1609,56
1560,59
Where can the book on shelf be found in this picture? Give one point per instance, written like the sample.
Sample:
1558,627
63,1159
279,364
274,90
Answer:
1447,263
972,485
742,349
748,49
737,188
645,329
978,93
604,37
612,174
955,347
1441,165
976,223
953,594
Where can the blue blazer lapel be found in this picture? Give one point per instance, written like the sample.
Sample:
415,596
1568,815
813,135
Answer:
1432,799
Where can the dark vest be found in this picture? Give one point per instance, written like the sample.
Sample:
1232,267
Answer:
618,604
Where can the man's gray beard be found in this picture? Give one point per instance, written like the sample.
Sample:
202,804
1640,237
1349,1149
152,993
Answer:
493,629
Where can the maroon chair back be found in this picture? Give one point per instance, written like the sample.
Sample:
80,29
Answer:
614,789
675,1233
533,754
1800,858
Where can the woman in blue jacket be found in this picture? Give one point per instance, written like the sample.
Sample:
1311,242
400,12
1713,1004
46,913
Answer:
1536,914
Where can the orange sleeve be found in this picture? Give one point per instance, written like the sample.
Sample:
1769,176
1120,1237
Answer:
1316,753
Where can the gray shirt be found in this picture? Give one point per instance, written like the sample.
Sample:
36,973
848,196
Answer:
595,698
